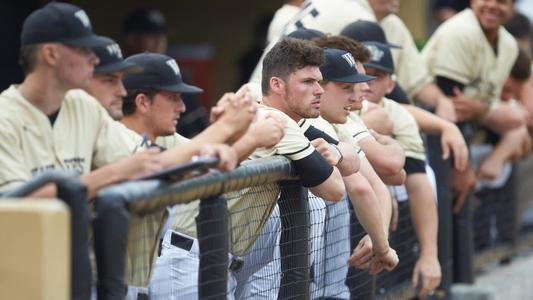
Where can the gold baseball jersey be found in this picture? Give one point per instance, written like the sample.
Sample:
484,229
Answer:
411,72
459,50
355,126
405,129
82,138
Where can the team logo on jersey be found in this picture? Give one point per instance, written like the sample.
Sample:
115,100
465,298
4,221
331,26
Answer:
174,66
349,58
84,19
377,54
114,50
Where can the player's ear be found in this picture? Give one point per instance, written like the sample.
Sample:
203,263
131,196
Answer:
391,84
277,85
49,53
142,102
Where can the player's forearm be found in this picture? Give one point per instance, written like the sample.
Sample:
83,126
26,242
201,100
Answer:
47,191
331,189
423,212
396,179
102,177
380,190
244,147
430,94
350,161
387,160
368,209
427,122
508,144
380,125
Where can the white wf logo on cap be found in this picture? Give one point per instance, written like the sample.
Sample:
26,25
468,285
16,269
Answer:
114,50
349,58
174,66
377,54
84,19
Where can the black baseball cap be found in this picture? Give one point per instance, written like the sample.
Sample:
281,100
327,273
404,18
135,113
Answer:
366,31
380,58
305,34
159,72
145,20
111,59
60,22
340,67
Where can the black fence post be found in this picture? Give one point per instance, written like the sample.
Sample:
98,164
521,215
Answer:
74,194
212,228
463,244
294,243
110,228
445,237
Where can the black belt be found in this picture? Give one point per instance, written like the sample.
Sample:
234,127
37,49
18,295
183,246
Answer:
142,296
180,241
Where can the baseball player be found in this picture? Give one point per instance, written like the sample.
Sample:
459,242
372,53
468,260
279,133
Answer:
386,156
46,126
419,190
471,56
339,84
295,93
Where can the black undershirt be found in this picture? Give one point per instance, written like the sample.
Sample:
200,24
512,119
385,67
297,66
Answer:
53,117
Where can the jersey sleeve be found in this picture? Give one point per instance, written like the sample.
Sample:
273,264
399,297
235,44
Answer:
405,130
356,127
114,141
453,56
345,136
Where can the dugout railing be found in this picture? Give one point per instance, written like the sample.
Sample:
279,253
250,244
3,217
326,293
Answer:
466,243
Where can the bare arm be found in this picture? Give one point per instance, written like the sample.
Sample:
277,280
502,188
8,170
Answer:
425,220
452,140
266,132
331,189
381,191
367,209
431,95
387,159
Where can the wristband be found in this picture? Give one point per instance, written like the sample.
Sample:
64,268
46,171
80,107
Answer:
340,153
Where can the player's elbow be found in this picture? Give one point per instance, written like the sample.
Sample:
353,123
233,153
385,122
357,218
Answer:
332,189
360,189
396,179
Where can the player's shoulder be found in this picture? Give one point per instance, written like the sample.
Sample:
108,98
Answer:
507,41
462,26
81,98
10,100
171,141
264,109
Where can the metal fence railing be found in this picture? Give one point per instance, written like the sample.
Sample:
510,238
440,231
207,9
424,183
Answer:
260,235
